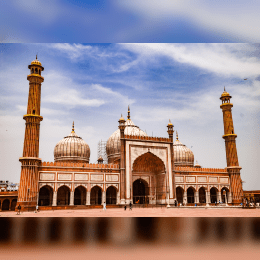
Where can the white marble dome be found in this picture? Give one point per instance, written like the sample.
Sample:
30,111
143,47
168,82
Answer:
113,146
72,149
183,156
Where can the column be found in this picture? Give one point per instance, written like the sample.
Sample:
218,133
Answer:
103,197
219,196
10,204
207,197
88,198
196,197
229,197
117,197
72,198
54,199
185,198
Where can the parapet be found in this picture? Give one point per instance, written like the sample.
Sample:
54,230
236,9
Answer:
148,138
81,165
194,169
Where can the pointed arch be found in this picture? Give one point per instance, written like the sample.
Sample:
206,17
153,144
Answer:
140,191
179,194
190,194
96,195
202,195
111,193
63,195
213,195
80,195
45,195
148,162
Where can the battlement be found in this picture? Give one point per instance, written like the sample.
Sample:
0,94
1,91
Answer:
148,138
82,165
194,169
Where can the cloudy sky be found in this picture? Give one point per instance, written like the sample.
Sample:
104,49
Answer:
92,84
129,21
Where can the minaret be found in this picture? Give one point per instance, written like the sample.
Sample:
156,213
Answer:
28,190
122,159
170,133
229,136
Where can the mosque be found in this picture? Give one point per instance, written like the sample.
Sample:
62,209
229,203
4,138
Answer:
141,169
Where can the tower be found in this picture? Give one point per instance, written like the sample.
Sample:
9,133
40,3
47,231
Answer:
27,195
170,133
122,158
229,136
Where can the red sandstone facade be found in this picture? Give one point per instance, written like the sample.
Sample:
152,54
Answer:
141,169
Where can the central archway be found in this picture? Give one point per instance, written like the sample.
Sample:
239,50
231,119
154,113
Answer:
140,192
152,168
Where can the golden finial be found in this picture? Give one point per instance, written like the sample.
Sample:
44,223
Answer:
177,137
170,123
128,116
73,128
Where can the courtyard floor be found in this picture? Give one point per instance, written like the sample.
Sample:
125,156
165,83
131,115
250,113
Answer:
141,212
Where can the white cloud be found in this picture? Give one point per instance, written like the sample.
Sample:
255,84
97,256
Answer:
223,59
74,51
236,20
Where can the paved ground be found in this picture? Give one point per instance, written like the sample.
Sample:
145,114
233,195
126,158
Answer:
141,212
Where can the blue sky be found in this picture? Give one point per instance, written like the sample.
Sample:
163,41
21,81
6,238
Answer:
92,84
129,21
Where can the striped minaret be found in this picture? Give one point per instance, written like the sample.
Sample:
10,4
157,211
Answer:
28,190
229,136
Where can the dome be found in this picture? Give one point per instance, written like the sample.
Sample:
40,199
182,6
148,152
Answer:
72,149
183,156
113,146
36,62
225,93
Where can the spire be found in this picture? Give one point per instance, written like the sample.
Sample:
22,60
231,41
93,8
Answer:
177,137
36,56
128,116
224,89
73,128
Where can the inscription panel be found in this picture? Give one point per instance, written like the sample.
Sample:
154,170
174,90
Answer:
213,179
223,180
97,177
111,177
47,176
64,177
202,179
190,179
81,177
179,178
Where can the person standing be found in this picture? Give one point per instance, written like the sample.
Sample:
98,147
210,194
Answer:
130,205
19,209
104,206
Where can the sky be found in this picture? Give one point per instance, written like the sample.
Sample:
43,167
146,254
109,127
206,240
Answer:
92,84
183,55
92,21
